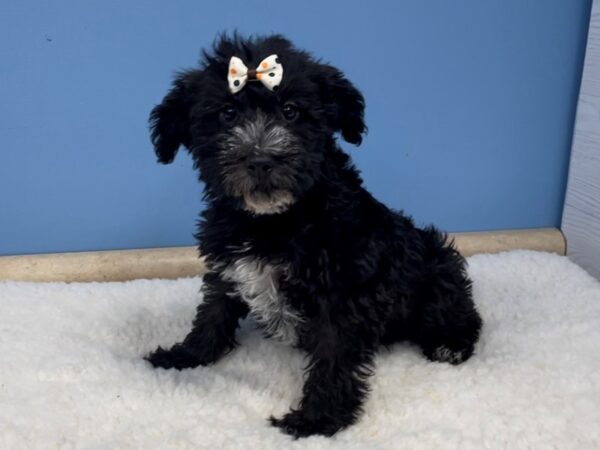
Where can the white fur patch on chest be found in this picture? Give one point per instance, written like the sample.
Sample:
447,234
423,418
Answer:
257,283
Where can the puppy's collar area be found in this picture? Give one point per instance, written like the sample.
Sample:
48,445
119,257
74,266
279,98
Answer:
269,72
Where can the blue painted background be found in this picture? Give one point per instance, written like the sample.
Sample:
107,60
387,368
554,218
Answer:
470,106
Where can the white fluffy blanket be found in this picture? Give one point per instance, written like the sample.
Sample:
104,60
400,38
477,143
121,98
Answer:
72,374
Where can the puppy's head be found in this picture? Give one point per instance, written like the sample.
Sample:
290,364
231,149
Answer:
257,118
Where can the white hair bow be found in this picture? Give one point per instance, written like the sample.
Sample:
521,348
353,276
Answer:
269,72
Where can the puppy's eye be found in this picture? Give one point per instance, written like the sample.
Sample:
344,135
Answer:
228,114
290,111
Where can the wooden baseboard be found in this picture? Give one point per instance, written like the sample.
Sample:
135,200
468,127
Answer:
176,262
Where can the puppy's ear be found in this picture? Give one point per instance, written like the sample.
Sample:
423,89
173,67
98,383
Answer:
345,104
170,121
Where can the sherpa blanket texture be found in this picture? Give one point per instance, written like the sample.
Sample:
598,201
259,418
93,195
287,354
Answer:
72,374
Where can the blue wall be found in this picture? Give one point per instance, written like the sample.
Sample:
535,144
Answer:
470,108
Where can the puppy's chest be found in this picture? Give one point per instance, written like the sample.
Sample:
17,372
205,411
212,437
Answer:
259,284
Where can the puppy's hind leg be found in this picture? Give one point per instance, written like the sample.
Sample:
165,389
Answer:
213,330
448,327
446,324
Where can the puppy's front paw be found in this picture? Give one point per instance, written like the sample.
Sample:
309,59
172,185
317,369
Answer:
298,423
175,358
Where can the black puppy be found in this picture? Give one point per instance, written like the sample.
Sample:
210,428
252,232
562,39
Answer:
292,238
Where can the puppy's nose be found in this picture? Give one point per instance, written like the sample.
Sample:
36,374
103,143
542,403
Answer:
260,165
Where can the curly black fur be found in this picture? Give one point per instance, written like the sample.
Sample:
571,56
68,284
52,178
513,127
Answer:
292,238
